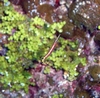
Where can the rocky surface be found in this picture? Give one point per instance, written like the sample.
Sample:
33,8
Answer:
82,18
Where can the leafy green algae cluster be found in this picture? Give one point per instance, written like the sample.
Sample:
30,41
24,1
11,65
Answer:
66,57
29,40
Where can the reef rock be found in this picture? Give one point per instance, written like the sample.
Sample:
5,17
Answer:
86,13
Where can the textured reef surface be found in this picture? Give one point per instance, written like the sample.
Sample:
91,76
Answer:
82,20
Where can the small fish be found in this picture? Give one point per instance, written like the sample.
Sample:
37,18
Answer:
51,49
